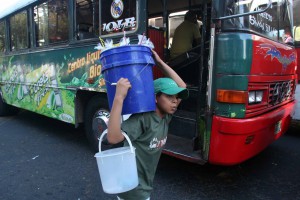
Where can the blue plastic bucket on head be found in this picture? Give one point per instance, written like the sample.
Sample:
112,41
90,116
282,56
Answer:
135,63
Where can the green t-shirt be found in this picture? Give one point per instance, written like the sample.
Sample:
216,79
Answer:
184,36
148,134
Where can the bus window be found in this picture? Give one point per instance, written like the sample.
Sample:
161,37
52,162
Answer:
296,34
51,22
18,31
41,24
285,28
87,19
174,20
118,16
156,22
2,37
265,23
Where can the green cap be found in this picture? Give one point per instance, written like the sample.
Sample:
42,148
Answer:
168,86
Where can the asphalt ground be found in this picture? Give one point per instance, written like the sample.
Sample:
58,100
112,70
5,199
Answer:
41,158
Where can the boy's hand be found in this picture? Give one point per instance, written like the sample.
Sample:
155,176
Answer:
156,58
123,85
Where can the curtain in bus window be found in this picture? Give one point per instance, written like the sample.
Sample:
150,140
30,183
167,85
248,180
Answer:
2,37
51,22
87,19
118,15
18,31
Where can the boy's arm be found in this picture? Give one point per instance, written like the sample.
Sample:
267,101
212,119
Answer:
114,134
167,70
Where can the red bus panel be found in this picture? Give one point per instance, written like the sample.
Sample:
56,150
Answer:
236,140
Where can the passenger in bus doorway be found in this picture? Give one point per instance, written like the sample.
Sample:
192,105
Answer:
287,36
186,35
148,130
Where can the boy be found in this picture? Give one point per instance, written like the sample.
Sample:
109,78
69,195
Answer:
147,131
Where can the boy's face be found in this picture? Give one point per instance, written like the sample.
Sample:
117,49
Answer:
167,103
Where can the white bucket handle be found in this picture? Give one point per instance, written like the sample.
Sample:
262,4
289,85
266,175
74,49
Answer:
125,135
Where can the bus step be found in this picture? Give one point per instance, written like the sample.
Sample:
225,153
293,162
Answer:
185,114
192,89
183,124
182,148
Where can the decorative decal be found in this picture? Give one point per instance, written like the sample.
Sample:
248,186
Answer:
155,143
46,83
273,52
116,8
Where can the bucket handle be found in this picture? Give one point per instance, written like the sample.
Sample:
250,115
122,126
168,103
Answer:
125,135
134,77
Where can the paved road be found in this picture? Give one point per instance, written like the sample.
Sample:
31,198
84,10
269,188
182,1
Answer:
41,158
297,96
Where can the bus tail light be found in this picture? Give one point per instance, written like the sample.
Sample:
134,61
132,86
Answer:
232,96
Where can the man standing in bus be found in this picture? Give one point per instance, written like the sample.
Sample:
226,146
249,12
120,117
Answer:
147,131
186,35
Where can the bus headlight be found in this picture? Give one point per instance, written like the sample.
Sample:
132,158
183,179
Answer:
255,97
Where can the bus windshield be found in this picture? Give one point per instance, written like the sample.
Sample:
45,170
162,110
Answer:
296,29
272,24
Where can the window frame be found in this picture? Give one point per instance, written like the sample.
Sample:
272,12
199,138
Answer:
28,30
5,36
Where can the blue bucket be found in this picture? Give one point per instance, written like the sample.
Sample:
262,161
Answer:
134,62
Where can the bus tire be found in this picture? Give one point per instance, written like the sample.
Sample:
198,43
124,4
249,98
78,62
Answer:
95,120
6,109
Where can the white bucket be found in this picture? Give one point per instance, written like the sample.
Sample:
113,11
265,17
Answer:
117,168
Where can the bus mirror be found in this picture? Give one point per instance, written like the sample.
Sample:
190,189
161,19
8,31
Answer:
247,13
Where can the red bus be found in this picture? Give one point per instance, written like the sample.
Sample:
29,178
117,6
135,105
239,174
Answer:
241,78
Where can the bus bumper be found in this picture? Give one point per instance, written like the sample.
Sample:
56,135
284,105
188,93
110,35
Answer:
236,140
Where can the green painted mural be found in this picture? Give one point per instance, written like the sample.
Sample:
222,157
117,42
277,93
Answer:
46,83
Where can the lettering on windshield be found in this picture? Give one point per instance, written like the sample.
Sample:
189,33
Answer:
264,23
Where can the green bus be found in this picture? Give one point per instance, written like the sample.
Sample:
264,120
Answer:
241,78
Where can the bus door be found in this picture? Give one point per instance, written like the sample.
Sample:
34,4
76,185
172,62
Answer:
186,139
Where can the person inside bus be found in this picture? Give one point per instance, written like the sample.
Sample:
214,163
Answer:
287,36
186,35
147,131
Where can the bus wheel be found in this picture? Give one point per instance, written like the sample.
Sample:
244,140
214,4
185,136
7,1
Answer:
96,119
6,109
